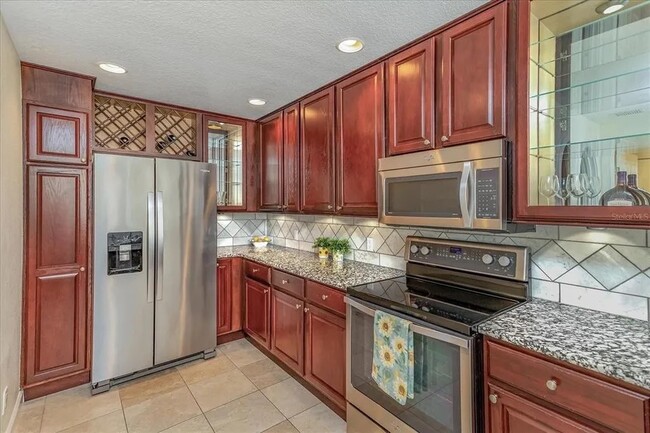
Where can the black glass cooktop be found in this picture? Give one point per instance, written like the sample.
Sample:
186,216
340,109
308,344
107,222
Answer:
450,306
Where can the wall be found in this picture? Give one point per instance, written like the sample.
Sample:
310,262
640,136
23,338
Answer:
607,270
11,220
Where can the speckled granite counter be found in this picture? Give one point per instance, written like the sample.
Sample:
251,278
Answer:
613,345
308,265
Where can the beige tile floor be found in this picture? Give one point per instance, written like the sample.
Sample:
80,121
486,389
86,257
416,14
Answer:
238,391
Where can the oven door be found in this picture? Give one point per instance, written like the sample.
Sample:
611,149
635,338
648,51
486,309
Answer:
445,195
443,390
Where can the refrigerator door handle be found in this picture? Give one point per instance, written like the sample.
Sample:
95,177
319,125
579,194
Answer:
160,247
151,244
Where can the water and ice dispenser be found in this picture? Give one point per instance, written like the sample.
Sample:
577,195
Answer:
124,252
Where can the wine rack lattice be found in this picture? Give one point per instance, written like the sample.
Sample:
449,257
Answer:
119,124
175,132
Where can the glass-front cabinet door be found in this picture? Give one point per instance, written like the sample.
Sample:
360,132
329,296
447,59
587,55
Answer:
225,148
589,112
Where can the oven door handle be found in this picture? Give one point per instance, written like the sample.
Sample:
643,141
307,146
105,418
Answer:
463,343
464,196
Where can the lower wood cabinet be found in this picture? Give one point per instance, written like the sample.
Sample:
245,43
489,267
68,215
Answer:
229,294
257,311
325,352
287,329
528,392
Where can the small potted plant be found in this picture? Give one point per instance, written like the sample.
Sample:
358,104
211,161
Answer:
339,248
323,245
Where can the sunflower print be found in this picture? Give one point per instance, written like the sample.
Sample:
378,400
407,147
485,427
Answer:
392,362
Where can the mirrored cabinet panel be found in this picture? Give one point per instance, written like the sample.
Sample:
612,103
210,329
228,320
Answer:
589,99
225,144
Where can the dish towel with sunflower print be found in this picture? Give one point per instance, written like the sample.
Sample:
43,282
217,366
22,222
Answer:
392,359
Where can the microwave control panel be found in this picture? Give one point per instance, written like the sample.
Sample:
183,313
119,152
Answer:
487,193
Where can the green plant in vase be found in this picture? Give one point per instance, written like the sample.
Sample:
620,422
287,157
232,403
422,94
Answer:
323,245
339,248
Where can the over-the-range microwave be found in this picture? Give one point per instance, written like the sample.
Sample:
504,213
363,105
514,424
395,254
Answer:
459,187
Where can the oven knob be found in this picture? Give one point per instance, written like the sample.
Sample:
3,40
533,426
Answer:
414,249
425,250
504,261
487,259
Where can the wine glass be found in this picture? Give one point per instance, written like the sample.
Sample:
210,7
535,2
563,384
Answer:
577,184
548,187
563,190
594,186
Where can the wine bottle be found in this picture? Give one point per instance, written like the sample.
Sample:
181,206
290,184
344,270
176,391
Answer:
621,194
642,194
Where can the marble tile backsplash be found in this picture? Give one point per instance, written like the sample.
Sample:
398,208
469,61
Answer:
605,270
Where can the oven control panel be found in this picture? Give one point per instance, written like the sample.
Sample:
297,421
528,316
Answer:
498,260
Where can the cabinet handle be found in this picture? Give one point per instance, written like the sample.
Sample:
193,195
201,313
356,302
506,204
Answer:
298,306
284,281
551,384
324,297
493,398
306,309
82,269
427,142
444,138
266,290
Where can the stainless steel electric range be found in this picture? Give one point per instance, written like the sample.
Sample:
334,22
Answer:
450,287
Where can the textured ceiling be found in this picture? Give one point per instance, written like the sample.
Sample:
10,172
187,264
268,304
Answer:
215,55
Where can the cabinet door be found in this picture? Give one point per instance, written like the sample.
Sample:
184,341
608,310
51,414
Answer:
359,140
271,142
256,320
317,155
325,352
473,78
224,296
513,414
56,292
287,330
410,76
55,135
291,169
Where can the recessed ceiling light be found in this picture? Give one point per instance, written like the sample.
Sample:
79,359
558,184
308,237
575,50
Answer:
611,6
112,67
256,101
351,45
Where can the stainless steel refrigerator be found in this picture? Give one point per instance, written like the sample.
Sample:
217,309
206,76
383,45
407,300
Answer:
155,264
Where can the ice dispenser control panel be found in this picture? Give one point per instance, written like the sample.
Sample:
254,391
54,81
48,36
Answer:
124,252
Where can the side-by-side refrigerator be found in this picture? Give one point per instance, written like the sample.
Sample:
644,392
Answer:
155,264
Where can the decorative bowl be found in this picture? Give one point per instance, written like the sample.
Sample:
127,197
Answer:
260,244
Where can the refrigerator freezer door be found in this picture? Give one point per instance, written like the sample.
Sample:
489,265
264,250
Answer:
185,320
123,302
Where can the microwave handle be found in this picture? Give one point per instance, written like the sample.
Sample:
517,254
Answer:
464,194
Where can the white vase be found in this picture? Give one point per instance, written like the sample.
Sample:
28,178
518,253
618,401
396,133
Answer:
338,257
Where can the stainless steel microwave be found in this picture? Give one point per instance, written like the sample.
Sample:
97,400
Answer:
459,187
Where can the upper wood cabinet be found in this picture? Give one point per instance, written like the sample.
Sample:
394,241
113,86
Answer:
58,89
271,162
359,141
472,78
291,156
410,91
317,180
56,136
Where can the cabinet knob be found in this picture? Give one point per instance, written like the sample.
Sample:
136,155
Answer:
298,306
339,207
306,309
82,269
427,142
266,290
551,384
329,206
284,281
493,398
83,160
444,138
324,297
255,270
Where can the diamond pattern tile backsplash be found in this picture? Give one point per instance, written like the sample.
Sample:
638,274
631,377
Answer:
606,270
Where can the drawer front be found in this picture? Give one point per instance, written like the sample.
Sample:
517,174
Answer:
257,272
287,282
607,404
326,297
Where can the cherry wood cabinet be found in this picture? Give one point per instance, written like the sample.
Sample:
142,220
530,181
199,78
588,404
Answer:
524,389
56,321
410,96
56,136
317,182
229,294
257,311
325,352
359,141
271,162
287,329
291,156
473,77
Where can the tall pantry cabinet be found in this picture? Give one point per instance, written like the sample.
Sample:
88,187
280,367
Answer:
57,113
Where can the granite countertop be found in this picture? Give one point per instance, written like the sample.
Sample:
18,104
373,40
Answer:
308,265
612,345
